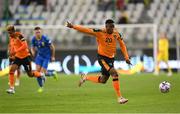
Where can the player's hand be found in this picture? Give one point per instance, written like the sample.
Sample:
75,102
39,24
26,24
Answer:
52,59
12,53
12,57
128,62
32,55
68,24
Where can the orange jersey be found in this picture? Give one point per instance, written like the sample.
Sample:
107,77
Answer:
16,43
106,42
10,46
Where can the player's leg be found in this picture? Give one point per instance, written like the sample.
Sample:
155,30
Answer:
39,63
18,73
14,66
39,75
116,86
108,65
115,82
98,79
26,62
48,73
39,79
101,78
157,68
52,73
10,64
166,58
169,69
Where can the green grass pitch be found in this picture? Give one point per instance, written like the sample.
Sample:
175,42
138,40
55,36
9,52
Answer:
65,96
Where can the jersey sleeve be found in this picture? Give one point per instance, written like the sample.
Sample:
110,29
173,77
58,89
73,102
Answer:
120,36
21,36
47,40
87,30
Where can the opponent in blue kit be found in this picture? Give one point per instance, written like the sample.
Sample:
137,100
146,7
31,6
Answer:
44,51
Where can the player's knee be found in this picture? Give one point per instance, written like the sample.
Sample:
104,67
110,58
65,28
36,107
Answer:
11,72
13,69
103,80
113,72
30,74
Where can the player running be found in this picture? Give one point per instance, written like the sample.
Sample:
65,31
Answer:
45,53
22,57
11,59
106,40
163,54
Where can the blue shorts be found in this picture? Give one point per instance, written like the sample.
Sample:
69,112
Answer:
43,62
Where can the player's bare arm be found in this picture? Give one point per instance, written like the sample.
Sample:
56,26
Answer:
52,52
124,51
33,51
82,29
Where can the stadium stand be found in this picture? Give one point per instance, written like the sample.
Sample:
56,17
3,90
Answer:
165,13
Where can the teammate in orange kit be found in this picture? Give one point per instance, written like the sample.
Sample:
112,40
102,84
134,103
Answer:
22,57
106,40
11,59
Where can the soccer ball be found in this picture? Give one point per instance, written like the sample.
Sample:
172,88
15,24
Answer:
164,87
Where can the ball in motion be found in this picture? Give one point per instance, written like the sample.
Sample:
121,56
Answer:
164,87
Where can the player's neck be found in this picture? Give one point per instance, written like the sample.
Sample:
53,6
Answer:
38,37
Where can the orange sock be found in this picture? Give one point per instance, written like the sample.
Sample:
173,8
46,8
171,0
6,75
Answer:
36,74
11,79
116,86
93,78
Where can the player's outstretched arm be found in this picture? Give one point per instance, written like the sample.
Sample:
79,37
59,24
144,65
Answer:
124,51
81,29
52,52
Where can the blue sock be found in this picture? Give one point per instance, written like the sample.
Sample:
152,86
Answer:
49,73
39,80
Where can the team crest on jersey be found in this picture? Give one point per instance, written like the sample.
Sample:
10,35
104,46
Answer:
43,44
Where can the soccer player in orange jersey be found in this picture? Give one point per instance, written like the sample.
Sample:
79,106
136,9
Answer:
11,59
22,57
106,40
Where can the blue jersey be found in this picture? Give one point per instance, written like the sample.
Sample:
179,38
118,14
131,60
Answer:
43,46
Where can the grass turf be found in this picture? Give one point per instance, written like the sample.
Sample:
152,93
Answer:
64,95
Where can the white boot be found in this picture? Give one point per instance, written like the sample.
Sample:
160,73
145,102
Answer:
122,100
10,91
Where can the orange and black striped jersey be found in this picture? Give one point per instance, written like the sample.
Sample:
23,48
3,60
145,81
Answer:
10,46
106,42
19,45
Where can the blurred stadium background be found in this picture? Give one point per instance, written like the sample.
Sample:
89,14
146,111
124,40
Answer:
141,22
136,19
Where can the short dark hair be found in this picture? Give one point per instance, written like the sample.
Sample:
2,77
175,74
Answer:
10,28
109,21
37,28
